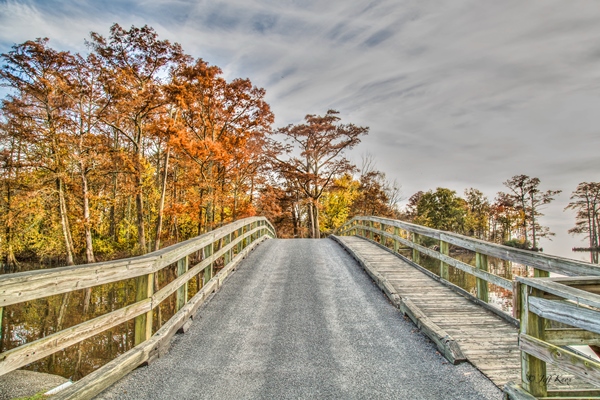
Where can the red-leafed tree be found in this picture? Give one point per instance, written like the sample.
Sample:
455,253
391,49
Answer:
320,143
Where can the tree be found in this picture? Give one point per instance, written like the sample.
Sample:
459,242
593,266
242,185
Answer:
222,130
376,195
320,142
37,74
442,209
410,211
585,201
135,64
478,210
526,197
338,201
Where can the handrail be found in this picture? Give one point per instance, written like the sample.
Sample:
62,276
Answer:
539,261
573,301
374,228
567,301
231,242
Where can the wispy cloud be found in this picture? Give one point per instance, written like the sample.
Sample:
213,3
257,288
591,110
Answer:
457,93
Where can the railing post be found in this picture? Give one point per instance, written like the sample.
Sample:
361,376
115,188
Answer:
533,370
241,242
445,250
396,233
182,292
481,262
144,286
229,253
1,328
382,237
371,234
416,256
208,271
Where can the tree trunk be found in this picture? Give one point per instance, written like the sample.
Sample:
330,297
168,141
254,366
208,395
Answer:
64,221
139,203
311,217
316,221
162,202
89,249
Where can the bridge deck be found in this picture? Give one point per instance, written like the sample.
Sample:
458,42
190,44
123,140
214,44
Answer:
300,319
483,338
462,330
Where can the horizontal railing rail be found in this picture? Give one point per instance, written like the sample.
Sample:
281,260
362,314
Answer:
230,243
552,312
384,231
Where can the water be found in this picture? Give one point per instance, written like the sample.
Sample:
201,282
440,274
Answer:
32,320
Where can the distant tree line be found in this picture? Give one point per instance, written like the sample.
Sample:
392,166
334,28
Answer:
512,219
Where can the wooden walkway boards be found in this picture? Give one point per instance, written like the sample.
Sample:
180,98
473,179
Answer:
462,330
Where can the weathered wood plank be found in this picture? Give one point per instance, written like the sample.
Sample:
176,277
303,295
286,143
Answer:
531,366
144,287
36,350
566,312
541,261
566,292
97,381
583,367
570,336
26,286
182,291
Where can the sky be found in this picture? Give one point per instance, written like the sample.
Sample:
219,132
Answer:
457,94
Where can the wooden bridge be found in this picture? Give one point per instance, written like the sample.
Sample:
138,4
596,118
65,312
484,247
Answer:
523,349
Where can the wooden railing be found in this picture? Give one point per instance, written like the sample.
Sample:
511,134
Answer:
228,245
578,301
572,304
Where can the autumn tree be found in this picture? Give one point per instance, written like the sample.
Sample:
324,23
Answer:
135,64
316,150
375,195
337,202
96,149
222,130
36,73
410,210
526,198
503,220
478,210
585,201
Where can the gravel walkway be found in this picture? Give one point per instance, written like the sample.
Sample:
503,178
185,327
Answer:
300,319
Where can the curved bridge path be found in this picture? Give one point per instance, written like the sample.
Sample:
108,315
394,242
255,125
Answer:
300,319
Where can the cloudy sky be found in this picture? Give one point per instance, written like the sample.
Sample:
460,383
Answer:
458,94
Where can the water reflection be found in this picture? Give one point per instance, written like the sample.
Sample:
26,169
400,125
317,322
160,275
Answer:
32,320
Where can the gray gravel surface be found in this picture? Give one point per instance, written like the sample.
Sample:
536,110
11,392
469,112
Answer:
22,383
300,319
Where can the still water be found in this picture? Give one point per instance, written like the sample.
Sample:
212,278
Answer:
30,321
